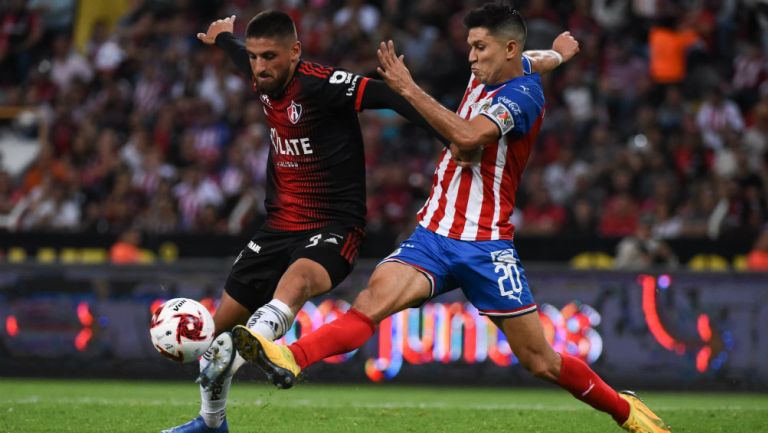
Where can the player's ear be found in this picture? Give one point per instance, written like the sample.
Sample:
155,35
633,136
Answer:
296,51
512,49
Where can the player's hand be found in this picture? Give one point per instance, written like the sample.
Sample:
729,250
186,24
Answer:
393,69
464,158
217,27
566,45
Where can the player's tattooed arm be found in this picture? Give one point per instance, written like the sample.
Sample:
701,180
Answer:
221,33
564,47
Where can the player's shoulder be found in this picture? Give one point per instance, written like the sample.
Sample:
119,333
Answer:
314,70
525,90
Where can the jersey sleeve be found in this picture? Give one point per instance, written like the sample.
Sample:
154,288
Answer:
527,65
513,109
337,88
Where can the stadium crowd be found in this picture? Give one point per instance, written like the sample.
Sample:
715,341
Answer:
661,122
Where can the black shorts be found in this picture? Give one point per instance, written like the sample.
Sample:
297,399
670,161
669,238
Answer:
260,265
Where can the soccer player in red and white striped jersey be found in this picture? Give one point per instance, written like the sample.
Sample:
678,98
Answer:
464,238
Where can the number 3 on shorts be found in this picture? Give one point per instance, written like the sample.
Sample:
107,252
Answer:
314,240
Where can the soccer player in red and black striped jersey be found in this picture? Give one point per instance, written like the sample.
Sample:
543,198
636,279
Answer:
315,194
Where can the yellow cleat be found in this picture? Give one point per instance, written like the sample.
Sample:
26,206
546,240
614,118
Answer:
641,418
275,360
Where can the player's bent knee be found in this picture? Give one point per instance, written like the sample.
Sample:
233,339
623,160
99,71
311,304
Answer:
369,304
540,366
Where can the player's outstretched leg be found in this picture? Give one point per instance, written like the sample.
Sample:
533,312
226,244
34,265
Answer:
275,360
526,338
641,418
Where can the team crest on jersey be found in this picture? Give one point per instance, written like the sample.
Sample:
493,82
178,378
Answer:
294,112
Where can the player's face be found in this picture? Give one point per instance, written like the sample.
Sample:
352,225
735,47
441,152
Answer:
272,61
488,55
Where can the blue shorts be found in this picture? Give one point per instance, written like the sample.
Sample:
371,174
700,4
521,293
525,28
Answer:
488,272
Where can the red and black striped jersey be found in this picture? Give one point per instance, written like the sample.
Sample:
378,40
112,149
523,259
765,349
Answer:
316,173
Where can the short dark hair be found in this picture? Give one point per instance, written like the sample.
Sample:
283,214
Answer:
500,20
271,24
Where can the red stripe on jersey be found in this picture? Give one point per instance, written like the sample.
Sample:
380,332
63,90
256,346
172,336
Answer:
315,68
360,91
440,213
488,171
506,200
312,69
352,244
307,71
462,201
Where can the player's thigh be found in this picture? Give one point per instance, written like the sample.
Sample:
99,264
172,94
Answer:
304,279
492,277
319,261
229,313
393,287
257,270
526,338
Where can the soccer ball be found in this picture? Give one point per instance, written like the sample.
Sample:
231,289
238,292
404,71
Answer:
181,329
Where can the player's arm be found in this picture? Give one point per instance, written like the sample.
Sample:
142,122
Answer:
378,95
221,33
564,47
466,135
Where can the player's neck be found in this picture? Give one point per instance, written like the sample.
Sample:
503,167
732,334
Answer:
512,69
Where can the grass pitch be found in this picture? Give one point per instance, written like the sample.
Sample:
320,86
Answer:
32,406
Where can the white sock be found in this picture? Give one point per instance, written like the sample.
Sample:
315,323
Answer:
213,406
214,398
272,320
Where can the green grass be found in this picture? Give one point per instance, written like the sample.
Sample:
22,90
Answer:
110,406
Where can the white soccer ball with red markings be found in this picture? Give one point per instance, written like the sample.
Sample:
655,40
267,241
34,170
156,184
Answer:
181,329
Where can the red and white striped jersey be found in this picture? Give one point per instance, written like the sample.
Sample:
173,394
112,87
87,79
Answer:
475,204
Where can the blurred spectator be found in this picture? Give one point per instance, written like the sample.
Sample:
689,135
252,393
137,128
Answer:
542,217
619,216
125,250
357,13
20,32
68,65
756,136
668,43
642,250
757,259
716,117
750,69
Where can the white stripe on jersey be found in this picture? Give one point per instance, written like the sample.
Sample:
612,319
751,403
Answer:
437,189
450,210
475,204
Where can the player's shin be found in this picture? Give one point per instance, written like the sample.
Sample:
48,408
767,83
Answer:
347,333
213,397
272,320
587,386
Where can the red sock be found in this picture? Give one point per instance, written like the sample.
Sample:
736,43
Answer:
586,385
344,334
